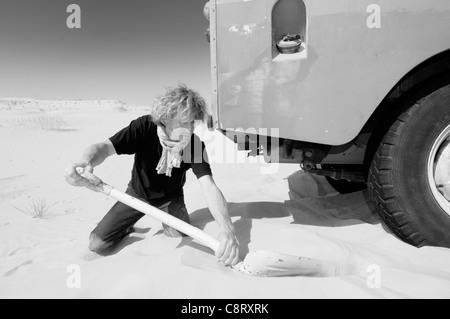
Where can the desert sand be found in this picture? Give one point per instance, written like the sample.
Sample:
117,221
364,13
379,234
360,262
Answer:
45,222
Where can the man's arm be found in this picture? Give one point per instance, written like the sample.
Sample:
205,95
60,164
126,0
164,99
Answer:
97,153
93,156
228,252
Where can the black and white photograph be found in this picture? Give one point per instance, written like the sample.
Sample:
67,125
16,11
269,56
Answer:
234,152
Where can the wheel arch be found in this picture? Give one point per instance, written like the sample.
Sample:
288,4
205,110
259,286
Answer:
410,86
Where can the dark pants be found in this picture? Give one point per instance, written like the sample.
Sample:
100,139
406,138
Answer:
120,219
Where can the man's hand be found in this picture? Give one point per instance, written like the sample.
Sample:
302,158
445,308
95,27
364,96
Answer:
228,252
93,156
73,177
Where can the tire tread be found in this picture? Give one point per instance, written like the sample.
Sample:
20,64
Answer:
381,186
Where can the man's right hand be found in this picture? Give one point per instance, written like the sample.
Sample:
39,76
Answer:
73,177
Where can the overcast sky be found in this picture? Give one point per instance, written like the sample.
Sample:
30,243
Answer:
126,49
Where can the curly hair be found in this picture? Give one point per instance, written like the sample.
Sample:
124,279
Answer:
179,103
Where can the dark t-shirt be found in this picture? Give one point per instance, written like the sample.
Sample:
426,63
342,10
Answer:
141,139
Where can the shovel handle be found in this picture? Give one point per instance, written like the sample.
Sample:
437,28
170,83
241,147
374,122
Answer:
154,212
102,187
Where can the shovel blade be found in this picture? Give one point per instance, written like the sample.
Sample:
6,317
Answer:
264,263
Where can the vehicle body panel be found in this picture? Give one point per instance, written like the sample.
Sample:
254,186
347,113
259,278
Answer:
326,93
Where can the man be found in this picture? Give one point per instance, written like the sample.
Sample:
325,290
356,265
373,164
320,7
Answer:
162,144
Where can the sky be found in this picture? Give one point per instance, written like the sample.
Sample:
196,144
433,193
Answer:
128,50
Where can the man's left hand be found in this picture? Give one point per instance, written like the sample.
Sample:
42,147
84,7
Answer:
228,251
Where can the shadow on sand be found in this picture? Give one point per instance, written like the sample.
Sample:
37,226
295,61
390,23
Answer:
311,203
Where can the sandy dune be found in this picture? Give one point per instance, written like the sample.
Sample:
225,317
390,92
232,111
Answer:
287,211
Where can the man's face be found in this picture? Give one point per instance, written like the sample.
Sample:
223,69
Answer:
179,129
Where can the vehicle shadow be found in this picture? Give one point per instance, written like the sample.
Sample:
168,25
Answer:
334,211
330,211
247,213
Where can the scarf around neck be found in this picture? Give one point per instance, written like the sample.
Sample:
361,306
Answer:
171,154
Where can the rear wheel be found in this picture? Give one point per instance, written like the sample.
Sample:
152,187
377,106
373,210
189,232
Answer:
409,178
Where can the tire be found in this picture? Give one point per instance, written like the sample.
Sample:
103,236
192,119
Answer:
345,187
407,189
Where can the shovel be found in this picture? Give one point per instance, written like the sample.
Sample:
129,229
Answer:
261,263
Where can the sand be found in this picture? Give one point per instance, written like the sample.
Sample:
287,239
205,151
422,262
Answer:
45,222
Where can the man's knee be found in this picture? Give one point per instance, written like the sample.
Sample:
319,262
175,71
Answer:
96,244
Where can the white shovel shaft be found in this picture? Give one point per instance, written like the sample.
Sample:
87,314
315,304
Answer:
167,219
154,212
